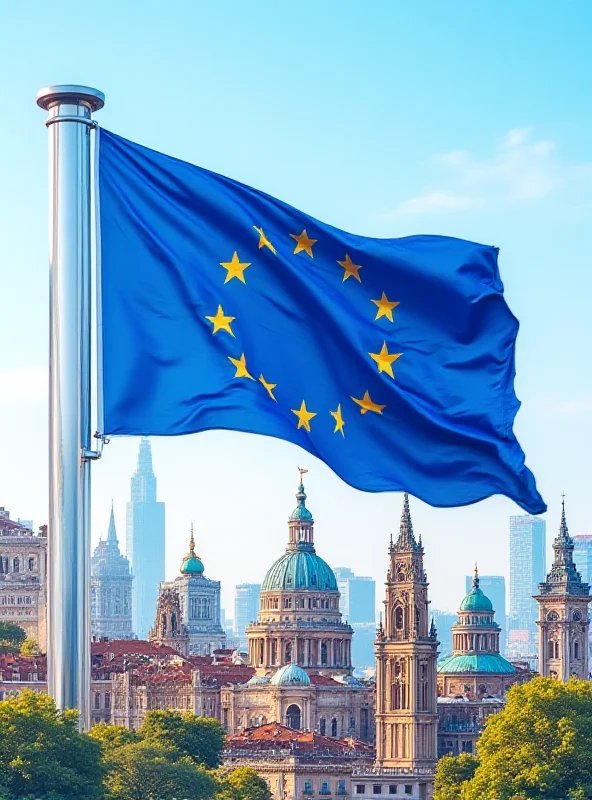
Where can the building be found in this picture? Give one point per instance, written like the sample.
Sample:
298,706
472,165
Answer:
110,589
23,578
494,586
563,600
406,654
473,681
583,555
188,612
444,620
357,602
246,608
527,569
145,545
298,763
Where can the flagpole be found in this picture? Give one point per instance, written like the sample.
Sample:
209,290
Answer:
68,638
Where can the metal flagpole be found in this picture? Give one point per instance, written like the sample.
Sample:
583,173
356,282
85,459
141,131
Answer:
68,638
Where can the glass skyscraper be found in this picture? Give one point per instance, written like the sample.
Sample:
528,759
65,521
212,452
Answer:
246,608
527,570
145,542
582,555
494,586
357,603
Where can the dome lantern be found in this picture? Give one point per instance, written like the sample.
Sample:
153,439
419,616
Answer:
192,563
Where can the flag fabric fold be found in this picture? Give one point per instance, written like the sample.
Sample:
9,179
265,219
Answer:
392,360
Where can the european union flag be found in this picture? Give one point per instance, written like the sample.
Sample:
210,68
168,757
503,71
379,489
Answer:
392,360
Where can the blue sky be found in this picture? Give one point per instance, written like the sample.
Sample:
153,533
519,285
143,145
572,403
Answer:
383,118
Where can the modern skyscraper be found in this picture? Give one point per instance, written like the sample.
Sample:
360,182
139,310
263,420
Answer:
444,620
563,600
494,586
357,603
527,570
583,555
246,608
145,541
111,589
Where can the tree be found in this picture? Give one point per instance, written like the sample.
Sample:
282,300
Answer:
148,771
30,648
199,738
43,755
242,783
452,772
113,736
538,747
11,637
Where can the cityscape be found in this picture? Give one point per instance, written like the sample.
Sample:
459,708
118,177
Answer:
310,647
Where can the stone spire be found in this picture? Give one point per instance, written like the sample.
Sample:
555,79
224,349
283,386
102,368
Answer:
406,541
112,534
563,577
476,577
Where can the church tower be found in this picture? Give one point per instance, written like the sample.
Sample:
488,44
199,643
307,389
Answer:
563,613
406,654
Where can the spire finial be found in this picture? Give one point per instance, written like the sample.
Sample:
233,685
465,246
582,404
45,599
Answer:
191,542
406,540
476,577
563,531
112,533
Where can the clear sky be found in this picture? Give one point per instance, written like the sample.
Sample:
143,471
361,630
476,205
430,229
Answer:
384,118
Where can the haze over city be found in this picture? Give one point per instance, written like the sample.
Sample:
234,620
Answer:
395,128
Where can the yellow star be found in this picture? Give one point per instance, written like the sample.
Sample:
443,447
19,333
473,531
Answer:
385,307
384,359
221,322
366,404
303,243
339,423
263,240
268,386
241,367
235,268
350,269
304,416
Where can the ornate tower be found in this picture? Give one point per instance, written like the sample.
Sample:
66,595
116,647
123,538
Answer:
111,589
563,613
406,654
168,626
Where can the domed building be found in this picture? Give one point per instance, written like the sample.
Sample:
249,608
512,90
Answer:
473,681
188,611
300,648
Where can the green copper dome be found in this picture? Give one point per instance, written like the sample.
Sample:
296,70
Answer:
192,563
298,569
290,675
476,600
477,663
301,511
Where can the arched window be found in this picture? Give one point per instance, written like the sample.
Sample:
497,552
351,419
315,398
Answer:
556,649
550,650
334,727
15,565
325,787
31,564
322,726
307,786
399,618
293,717
164,625
341,786
288,653
97,700
324,654
576,650
173,624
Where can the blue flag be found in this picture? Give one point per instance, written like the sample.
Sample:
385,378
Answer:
392,360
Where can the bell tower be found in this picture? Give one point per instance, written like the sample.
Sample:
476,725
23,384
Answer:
563,613
406,654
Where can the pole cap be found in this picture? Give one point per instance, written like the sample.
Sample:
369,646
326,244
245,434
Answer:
68,93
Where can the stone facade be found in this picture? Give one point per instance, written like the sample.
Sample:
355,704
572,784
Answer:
188,610
111,589
23,578
563,614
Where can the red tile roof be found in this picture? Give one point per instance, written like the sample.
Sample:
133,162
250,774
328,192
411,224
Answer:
275,735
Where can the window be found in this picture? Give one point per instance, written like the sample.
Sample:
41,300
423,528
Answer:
107,700
399,618
408,789
293,717
577,616
307,786
322,726
341,787
552,616
325,787
334,727
576,650
392,789
31,564
360,788
97,700
377,789
550,650
15,565
287,602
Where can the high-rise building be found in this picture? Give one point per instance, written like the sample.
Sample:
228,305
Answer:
246,608
145,541
110,589
583,555
357,603
527,570
494,586
444,620
563,599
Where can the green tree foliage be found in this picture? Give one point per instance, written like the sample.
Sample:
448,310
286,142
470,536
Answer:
42,754
150,771
113,736
242,783
30,648
199,738
539,747
11,637
451,774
